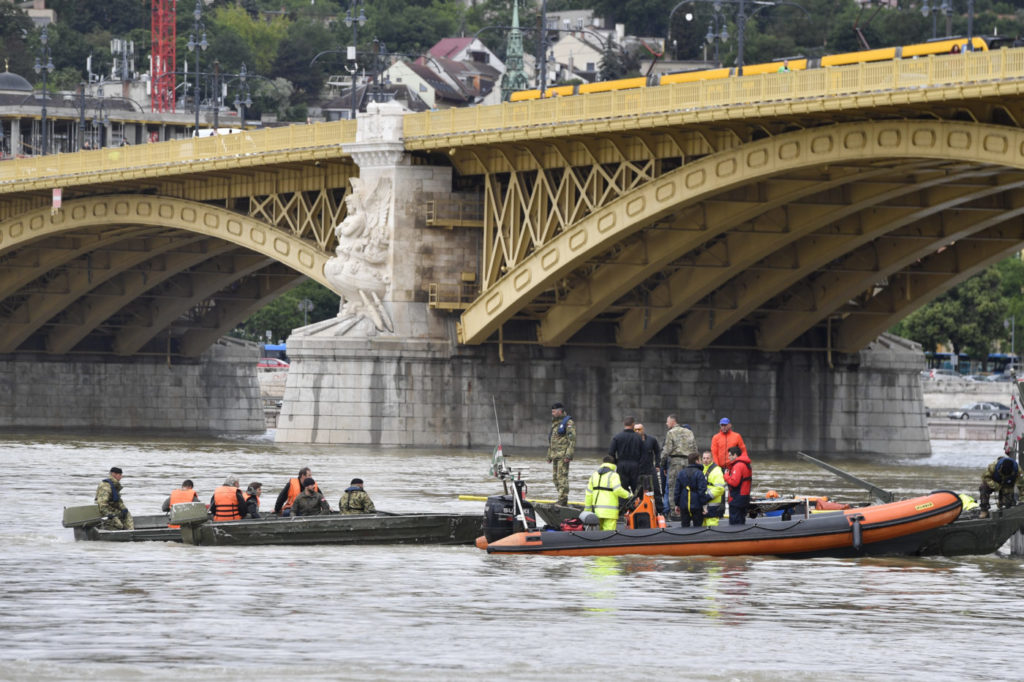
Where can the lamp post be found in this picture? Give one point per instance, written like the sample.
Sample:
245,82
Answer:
970,25
197,42
81,116
100,120
241,104
44,65
741,19
716,36
1011,324
932,8
351,19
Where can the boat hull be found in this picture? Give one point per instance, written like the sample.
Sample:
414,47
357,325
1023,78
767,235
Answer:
336,529
895,528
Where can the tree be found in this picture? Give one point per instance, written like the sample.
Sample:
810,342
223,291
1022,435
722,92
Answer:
282,315
969,317
14,29
617,62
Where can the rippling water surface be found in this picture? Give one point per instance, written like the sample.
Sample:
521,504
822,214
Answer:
164,611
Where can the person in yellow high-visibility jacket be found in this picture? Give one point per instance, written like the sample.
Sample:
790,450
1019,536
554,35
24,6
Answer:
716,489
604,489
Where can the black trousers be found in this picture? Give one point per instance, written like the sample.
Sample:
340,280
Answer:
692,517
629,474
738,509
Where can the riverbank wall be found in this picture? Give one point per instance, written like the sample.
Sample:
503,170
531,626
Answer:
391,391
215,393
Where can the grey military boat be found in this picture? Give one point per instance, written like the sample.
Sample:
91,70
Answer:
196,528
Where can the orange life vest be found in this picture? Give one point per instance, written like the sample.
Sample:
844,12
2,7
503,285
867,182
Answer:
225,499
179,496
294,490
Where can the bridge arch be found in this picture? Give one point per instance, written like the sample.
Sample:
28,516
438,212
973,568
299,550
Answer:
118,271
698,255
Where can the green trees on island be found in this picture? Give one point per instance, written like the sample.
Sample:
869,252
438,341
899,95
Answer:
970,317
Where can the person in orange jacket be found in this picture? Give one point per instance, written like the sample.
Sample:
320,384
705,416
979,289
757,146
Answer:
738,476
723,440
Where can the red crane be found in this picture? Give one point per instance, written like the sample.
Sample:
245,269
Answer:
165,61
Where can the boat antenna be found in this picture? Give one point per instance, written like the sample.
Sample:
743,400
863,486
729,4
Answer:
497,426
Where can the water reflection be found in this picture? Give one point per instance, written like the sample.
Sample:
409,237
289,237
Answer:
90,610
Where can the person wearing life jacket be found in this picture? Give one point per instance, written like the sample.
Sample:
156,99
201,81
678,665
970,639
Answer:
252,500
108,498
1001,476
691,492
723,440
228,503
604,490
185,493
291,490
738,476
716,490
355,500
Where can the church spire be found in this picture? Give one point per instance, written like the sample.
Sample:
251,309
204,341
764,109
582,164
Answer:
514,78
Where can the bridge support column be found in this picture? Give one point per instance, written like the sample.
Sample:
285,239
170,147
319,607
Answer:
217,393
424,393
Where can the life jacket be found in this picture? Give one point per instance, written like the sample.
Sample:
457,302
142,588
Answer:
742,487
562,427
179,496
710,471
604,499
225,501
346,500
115,496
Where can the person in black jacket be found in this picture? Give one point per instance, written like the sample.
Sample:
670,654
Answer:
627,449
691,493
649,479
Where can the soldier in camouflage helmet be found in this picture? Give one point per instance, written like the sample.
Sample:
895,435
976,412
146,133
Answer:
108,497
561,446
355,500
679,444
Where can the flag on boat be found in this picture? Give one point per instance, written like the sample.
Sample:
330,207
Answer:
1015,428
497,462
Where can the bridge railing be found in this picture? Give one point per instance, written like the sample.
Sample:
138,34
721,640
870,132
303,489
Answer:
248,143
933,71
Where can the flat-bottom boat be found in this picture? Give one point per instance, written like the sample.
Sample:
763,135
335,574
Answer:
197,529
897,528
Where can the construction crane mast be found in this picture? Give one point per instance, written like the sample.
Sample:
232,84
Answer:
165,62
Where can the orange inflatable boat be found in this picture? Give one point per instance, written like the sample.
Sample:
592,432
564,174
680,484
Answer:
897,528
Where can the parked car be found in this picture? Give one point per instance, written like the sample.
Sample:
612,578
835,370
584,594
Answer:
990,411
999,377
272,363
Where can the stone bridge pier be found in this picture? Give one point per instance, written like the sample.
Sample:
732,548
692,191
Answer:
388,370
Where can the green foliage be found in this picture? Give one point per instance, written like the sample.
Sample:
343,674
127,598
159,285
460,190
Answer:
409,26
303,41
14,29
260,38
970,316
618,63
283,314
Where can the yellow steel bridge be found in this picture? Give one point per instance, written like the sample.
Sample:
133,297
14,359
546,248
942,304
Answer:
800,209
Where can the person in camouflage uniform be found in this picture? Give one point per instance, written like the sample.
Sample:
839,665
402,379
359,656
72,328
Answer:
561,446
1001,476
311,501
355,500
108,497
679,444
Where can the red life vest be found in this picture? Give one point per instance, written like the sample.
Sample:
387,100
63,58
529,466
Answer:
179,496
225,500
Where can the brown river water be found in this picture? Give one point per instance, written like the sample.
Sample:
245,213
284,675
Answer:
167,611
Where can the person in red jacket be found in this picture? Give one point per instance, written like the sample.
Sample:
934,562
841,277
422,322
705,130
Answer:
723,440
738,475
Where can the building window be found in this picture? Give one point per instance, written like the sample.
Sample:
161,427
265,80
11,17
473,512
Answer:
590,67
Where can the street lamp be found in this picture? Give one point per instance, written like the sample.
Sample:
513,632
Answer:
716,37
241,104
197,42
81,116
351,19
932,8
44,65
100,120
1011,324
970,25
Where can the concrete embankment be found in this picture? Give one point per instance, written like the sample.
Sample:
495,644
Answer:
942,396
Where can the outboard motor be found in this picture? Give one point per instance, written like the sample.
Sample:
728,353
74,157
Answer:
500,517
